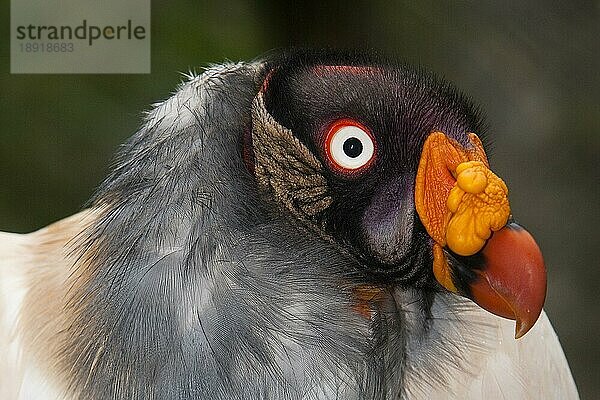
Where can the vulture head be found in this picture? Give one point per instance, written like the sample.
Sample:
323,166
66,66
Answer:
385,162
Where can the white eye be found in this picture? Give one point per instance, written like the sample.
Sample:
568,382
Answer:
349,146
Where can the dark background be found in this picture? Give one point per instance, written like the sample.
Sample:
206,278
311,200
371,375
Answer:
532,65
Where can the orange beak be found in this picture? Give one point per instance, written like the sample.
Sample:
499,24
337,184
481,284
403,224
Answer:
477,253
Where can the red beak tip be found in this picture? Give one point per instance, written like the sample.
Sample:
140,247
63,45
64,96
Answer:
513,282
521,329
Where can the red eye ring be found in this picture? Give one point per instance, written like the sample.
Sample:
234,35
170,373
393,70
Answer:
350,147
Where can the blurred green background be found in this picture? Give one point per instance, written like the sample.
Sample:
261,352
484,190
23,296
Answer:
534,67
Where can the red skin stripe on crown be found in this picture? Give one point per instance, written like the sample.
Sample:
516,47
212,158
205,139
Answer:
265,83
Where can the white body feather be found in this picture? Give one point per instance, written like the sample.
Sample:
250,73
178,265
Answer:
20,376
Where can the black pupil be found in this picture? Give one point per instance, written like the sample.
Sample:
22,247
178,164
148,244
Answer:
353,147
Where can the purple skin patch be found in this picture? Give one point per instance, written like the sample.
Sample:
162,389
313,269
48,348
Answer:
388,220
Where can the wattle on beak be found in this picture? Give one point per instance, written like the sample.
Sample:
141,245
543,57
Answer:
477,252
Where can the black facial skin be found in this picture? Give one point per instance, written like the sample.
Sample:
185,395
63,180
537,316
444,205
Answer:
373,212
